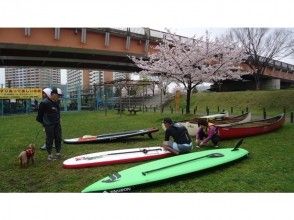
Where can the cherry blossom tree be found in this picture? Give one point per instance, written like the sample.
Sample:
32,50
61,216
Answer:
191,62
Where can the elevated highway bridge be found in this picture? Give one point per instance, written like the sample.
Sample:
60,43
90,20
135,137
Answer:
91,48
80,48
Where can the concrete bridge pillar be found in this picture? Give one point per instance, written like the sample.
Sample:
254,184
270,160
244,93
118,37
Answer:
271,84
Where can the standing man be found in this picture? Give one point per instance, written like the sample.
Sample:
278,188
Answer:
45,94
181,142
49,117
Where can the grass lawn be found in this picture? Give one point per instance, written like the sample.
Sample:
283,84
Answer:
269,167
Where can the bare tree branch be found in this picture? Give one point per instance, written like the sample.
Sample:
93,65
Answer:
262,45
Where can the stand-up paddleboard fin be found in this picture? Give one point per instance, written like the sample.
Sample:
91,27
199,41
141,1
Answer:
150,135
238,144
112,178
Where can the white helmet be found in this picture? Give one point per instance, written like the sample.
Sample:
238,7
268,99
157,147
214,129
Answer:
47,91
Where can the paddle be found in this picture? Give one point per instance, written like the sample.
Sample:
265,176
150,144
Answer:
213,155
237,145
145,151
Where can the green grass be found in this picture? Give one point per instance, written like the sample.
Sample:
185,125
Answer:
269,167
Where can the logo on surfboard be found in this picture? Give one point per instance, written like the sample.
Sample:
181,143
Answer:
112,178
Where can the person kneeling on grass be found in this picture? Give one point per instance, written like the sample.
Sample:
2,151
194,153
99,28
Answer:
181,142
206,132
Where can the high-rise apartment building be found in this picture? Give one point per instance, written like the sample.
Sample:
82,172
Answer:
85,79
120,75
96,77
30,77
91,81
74,79
80,79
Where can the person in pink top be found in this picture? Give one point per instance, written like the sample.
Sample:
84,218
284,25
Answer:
207,132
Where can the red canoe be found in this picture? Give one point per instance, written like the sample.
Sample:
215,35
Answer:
251,128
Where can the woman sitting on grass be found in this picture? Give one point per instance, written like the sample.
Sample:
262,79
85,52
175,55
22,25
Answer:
206,132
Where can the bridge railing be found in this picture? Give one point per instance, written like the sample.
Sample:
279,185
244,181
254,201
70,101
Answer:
151,32
161,34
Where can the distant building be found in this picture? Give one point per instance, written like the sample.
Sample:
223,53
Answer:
87,79
74,79
119,75
30,77
96,77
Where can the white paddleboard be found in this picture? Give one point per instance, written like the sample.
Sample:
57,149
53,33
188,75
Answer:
116,156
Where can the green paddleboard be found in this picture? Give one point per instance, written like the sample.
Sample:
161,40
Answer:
162,169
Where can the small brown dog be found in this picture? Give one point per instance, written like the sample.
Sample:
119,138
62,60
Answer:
26,155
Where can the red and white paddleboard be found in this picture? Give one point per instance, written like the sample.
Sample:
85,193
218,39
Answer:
116,156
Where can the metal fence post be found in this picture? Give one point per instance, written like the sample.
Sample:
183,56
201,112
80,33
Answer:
264,113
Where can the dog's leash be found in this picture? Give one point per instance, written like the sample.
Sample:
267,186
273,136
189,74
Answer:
38,132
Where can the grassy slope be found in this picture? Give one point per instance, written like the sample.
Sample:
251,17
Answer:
273,101
269,167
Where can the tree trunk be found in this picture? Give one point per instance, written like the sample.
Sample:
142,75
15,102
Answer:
188,99
164,91
161,98
219,86
257,81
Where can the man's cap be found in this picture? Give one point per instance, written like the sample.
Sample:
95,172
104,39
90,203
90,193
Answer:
56,91
47,91
168,121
